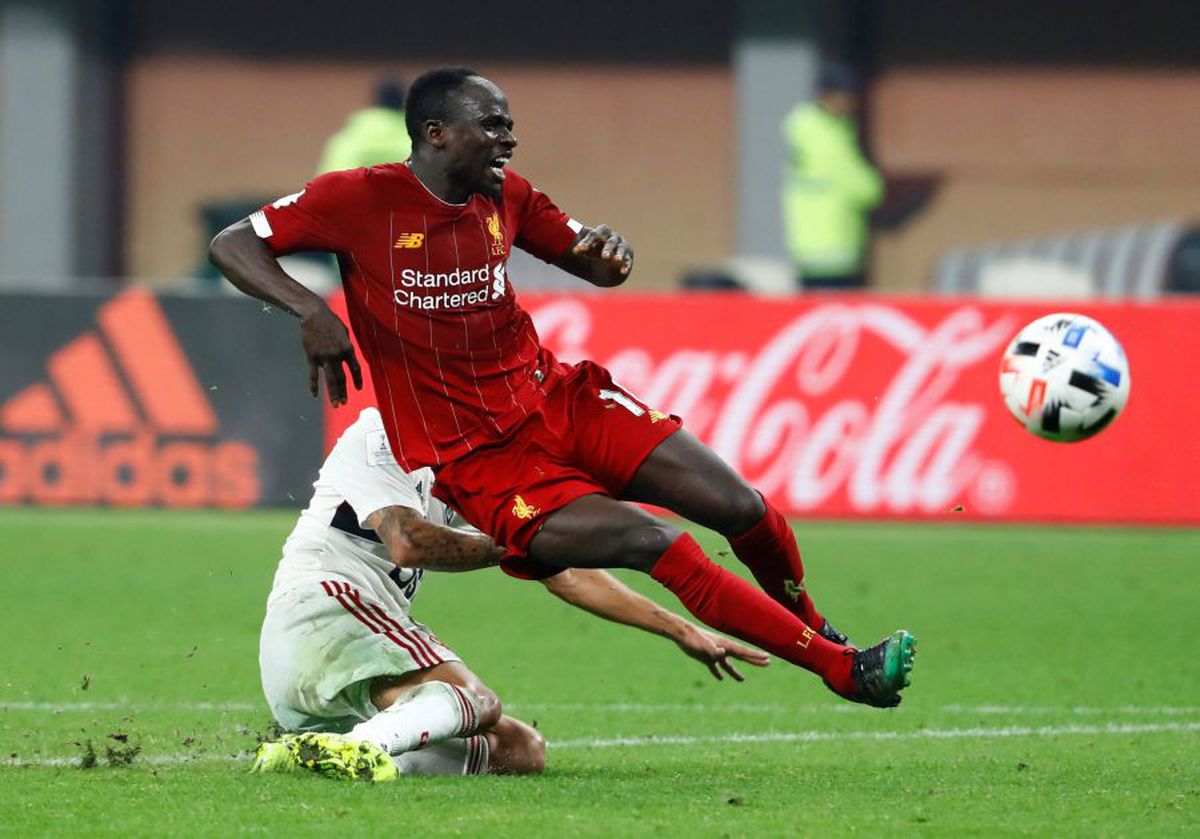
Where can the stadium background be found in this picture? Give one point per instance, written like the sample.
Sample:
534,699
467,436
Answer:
132,130
1057,134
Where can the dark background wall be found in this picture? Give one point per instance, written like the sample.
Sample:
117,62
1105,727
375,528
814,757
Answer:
1052,33
630,112
612,32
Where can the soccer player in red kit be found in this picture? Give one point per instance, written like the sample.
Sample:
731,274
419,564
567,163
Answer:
538,454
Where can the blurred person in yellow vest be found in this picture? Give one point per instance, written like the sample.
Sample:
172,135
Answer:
830,187
372,135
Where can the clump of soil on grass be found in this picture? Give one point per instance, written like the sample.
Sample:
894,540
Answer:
272,731
121,754
87,759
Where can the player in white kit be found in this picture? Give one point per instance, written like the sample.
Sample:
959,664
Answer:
367,691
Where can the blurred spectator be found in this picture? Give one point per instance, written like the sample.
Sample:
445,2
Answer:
830,187
371,135
376,134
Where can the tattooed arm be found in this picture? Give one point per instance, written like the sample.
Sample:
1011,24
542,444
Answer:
413,542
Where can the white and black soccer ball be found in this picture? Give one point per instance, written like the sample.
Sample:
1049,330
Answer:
1064,377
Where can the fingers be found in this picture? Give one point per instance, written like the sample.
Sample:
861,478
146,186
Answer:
335,383
751,656
586,243
719,663
624,258
335,378
313,374
355,370
610,246
327,345
714,651
597,235
604,243
728,667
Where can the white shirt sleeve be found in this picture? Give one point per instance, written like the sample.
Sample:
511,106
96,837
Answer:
362,470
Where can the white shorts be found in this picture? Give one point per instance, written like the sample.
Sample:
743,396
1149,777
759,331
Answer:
326,637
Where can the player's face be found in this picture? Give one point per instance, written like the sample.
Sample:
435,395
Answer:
479,138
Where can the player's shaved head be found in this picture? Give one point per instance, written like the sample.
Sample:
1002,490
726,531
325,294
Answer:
462,133
432,97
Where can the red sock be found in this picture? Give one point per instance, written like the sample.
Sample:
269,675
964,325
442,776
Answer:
770,551
729,604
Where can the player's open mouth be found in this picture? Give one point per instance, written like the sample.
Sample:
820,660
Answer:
498,164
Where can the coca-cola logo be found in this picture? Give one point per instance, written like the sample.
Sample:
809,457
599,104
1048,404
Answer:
845,407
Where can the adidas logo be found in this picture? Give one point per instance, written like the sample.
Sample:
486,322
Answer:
121,419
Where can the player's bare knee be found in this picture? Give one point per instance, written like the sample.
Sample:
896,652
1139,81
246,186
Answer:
535,752
742,511
642,546
516,748
526,752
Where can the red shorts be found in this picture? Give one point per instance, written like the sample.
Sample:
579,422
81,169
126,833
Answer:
589,436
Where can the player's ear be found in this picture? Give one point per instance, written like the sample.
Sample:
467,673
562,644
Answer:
435,132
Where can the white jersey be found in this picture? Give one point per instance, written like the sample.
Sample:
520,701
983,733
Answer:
359,477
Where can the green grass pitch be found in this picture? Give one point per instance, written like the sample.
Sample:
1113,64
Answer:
1056,692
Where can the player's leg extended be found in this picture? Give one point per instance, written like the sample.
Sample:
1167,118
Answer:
498,744
597,531
688,478
510,747
427,706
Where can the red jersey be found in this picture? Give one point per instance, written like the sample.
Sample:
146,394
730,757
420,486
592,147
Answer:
456,362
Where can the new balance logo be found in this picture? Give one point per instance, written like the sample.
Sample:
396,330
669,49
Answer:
410,240
121,420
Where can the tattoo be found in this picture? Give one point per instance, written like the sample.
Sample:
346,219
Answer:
415,542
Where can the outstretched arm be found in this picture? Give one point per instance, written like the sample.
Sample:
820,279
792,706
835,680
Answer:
599,255
248,263
604,595
414,542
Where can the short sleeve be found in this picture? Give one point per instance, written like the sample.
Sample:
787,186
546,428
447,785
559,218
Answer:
542,228
362,470
319,217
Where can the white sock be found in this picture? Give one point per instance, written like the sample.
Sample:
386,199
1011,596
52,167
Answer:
427,714
457,756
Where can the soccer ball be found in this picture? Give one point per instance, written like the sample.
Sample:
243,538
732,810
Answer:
1064,377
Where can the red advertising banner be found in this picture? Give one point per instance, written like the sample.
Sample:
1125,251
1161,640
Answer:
847,406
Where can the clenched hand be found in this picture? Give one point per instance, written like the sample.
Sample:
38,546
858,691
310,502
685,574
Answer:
607,244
